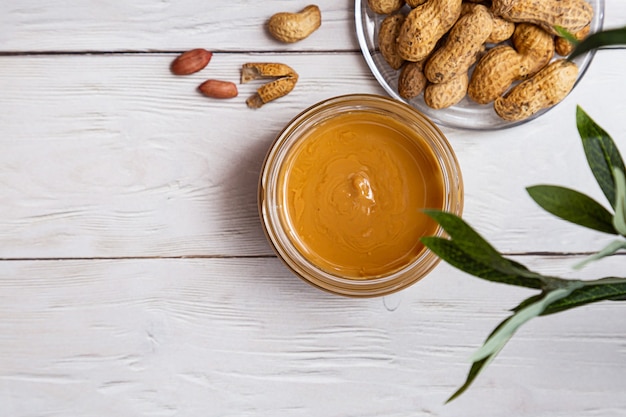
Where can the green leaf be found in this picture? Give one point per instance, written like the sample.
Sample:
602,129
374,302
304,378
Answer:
573,293
476,247
619,220
466,237
610,288
570,37
604,289
476,367
450,252
608,250
497,341
610,37
602,154
573,206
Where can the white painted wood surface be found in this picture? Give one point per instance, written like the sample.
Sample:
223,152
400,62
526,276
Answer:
134,276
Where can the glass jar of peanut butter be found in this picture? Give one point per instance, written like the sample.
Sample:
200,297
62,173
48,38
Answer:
343,189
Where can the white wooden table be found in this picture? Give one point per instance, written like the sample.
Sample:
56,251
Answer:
135,279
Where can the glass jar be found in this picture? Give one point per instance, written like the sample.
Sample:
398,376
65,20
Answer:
333,225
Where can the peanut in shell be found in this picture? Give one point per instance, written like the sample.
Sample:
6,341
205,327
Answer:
545,89
387,35
572,15
449,93
293,27
462,46
424,26
412,80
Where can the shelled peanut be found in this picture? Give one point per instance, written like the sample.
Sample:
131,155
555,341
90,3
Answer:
281,78
452,49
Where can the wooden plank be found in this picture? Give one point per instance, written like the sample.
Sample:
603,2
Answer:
112,156
165,26
145,25
222,337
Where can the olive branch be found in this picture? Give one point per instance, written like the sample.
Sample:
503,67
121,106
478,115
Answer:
466,250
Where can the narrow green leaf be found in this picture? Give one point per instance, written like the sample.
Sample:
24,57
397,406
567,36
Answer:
610,37
477,367
527,302
467,239
575,294
497,341
573,206
475,246
604,289
570,37
504,331
619,220
450,252
601,152
608,250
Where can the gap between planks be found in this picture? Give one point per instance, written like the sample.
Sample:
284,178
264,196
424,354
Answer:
175,52
123,258
126,258
217,51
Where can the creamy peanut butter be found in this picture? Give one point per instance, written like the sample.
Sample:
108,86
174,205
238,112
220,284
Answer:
353,193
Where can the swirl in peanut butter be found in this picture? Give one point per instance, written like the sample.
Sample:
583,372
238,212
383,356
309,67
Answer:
354,191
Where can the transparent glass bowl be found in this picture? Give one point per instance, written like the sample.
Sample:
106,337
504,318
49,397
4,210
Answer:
273,211
466,114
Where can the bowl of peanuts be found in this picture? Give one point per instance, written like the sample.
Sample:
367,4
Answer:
472,64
